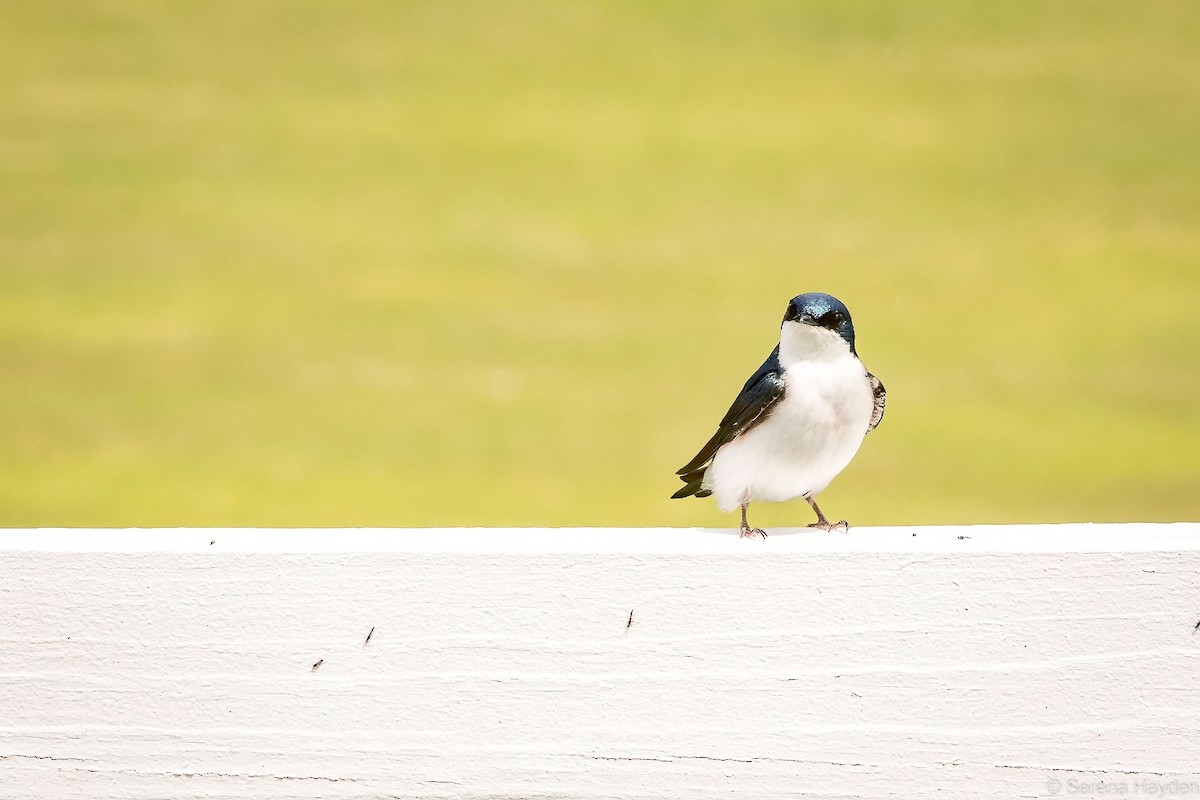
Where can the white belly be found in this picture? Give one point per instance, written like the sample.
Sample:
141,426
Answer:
812,433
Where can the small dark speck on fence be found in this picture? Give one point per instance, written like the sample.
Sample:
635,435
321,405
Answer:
629,621
370,633
964,537
1197,628
317,665
214,541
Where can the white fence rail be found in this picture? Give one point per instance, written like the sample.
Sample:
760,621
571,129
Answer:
1028,661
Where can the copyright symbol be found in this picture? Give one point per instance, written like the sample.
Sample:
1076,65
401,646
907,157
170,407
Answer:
1053,786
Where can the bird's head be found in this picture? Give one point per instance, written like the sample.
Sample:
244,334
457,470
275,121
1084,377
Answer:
817,325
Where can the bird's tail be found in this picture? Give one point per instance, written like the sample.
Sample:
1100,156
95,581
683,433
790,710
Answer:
693,484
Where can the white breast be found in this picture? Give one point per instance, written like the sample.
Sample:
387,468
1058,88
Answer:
810,436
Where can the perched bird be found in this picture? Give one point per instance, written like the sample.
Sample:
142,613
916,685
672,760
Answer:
797,422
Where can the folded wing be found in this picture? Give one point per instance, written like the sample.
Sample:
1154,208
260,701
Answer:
752,406
880,401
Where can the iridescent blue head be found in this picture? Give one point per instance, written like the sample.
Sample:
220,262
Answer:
822,310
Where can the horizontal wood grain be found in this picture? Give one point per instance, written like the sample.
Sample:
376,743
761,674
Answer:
916,662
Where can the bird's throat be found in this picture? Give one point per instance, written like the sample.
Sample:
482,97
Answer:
800,342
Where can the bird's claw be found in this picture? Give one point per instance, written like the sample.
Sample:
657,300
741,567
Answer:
830,527
750,533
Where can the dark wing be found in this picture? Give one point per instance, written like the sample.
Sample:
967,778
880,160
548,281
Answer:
751,407
880,401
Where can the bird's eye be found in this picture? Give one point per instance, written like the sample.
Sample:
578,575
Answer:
834,318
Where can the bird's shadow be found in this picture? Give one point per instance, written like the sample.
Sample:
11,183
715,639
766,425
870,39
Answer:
776,533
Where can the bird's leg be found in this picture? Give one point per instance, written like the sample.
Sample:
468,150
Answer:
823,523
747,531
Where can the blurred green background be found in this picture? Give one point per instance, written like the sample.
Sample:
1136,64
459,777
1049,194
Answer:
445,263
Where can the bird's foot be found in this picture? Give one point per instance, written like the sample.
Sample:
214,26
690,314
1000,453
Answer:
829,527
750,533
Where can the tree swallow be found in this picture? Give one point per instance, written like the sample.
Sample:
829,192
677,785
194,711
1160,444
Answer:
797,422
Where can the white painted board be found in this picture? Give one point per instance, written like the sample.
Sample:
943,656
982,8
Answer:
909,662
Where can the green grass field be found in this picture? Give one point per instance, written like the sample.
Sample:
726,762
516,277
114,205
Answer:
283,263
